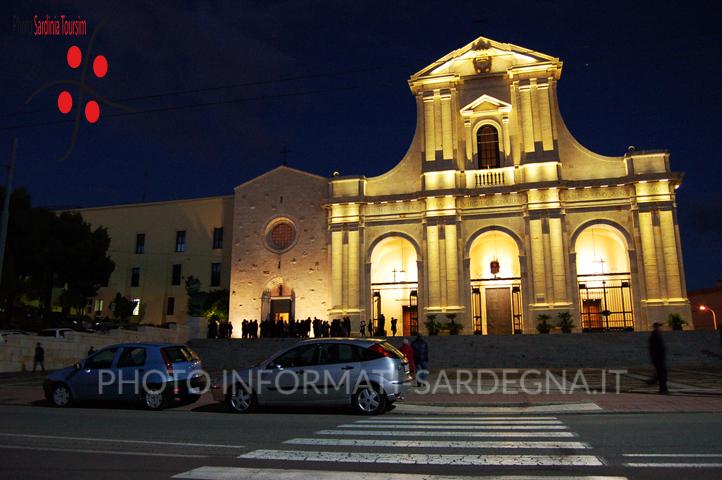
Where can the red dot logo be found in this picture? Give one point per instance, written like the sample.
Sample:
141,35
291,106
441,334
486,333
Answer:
65,102
100,69
75,57
100,66
92,111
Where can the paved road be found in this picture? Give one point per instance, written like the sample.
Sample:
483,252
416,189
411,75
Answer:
120,443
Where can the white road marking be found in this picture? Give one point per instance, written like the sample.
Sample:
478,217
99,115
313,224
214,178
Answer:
105,452
234,473
346,442
407,408
458,427
464,422
118,440
674,465
424,459
416,433
698,455
459,418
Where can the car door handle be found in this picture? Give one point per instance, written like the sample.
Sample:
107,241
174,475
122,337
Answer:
349,367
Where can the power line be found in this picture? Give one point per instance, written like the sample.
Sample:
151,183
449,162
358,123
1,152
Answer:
191,106
226,87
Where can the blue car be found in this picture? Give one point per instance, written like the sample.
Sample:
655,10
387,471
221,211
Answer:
152,373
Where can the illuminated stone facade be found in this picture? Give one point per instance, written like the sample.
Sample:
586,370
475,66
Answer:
505,214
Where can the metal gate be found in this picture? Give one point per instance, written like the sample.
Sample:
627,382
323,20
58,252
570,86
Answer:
414,313
605,302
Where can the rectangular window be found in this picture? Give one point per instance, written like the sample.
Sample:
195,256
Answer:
140,243
98,305
215,274
176,276
218,237
180,241
135,277
170,307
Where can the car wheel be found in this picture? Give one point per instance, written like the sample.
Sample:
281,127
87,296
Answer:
369,400
241,400
155,400
61,395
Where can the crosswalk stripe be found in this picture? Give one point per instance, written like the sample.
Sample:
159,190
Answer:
424,459
673,465
234,473
462,422
416,433
345,442
687,455
455,418
458,427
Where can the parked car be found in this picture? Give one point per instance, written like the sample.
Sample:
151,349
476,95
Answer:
368,374
55,332
6,333
152,373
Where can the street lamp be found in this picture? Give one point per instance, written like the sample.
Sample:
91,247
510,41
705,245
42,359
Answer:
705,308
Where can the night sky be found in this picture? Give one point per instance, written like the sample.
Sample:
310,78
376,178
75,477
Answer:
327,82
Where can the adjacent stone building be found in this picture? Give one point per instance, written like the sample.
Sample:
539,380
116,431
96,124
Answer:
496,215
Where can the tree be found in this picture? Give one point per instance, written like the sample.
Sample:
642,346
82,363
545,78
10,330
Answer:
217,303
46,250
122,308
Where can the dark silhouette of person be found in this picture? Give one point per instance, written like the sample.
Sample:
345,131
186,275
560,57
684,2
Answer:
658,354
371,328
362,328
39,357
381,327
230,329
91,350
421,358
393,326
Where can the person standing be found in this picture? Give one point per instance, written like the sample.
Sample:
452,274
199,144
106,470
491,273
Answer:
39,357
658,354
408,352
362,328
230,329
421,359
371,328
393,326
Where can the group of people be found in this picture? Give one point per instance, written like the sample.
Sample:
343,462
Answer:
219,329
380,328
269,328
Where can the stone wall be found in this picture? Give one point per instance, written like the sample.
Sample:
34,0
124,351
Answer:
17,351
598,350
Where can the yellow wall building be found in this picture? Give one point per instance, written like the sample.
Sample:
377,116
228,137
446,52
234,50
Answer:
496,214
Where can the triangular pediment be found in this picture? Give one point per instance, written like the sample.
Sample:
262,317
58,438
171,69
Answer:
484,55
483,104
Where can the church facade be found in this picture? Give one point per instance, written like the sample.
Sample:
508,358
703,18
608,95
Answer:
495,218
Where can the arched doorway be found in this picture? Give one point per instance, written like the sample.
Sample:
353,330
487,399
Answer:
278,301
495,274
604,279
394,286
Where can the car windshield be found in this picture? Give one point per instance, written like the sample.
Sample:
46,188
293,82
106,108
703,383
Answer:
180,353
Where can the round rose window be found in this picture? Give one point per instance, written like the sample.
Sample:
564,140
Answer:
281,236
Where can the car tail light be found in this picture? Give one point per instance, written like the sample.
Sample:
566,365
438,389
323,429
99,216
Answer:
168,363
378,349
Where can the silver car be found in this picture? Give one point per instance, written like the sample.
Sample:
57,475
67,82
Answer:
368,374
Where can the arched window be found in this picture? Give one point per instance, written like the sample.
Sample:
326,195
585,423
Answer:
487,143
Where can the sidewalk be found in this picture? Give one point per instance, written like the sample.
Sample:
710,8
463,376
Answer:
691,390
